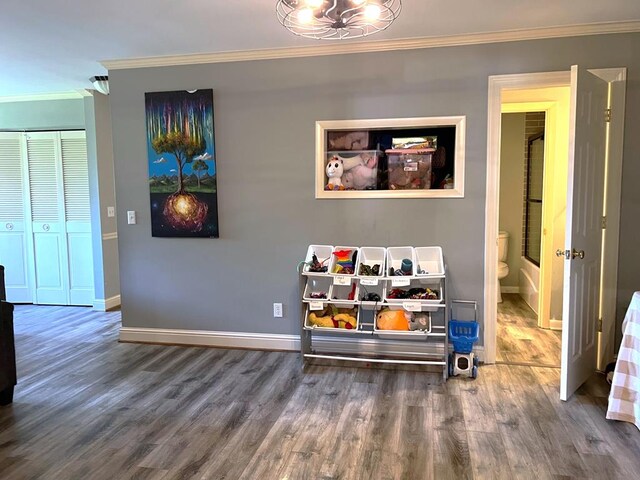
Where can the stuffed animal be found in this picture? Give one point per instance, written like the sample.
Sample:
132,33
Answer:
393,319
361,172
348,141
419,321
333,317
403,178
319,321
335,169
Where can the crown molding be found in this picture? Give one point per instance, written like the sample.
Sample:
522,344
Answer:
41,97
377,46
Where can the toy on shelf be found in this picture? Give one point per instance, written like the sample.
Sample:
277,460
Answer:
413,294
403,320
409,168
345,261
360,171
393,319
420,321
406,268
335,169
368,270
333,317
317,266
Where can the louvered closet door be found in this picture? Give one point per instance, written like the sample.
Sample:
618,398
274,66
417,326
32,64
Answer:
13,228
75,173
47,218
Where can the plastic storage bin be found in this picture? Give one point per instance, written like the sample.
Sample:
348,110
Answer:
371,256
329,317
343,256
344,293
323,252
379,290
417,318
315,287
395,255
360,168
429,261
409,169
413,284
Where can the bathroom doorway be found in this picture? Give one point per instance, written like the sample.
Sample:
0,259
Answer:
594,172
533,193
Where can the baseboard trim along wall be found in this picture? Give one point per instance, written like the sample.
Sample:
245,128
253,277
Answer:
555,324
515,289
102,305
270,341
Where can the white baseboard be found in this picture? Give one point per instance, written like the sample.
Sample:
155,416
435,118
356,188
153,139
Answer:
271,341
515,289
102,305
555,324
257,341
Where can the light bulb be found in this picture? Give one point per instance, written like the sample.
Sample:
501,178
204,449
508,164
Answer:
314,3
305,15
372,12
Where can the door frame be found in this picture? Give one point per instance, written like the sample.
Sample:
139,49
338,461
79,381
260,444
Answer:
616,77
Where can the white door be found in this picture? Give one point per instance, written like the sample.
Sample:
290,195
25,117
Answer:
77,213
585,194
47,219
13,228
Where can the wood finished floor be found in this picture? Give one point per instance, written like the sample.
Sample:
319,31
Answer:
520,340
88,407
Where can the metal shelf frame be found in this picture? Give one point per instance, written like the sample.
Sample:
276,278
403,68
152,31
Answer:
438,336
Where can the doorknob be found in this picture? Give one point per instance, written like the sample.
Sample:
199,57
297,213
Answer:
577,253
559,253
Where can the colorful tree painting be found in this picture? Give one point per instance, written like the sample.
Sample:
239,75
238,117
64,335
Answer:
182,171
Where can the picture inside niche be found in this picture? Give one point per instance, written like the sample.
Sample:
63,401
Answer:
182,164
414,158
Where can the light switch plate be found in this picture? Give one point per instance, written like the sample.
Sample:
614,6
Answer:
111,211
131,217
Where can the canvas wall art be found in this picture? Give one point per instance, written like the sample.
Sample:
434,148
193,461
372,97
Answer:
182,164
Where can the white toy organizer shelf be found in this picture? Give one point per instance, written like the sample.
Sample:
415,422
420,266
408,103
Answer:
348,292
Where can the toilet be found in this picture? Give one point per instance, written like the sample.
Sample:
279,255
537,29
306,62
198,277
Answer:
503,268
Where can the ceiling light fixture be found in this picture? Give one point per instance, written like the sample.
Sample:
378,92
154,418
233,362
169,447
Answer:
337,19
101,83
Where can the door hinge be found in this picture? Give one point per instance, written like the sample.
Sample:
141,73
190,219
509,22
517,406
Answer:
607,115
600,325
604,222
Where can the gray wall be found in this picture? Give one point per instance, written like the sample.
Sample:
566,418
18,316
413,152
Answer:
101,186
512,190
42,115
264,117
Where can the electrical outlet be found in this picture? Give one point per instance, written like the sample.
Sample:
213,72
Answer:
277,310
111,212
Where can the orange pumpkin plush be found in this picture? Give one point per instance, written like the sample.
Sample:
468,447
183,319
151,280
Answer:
393,320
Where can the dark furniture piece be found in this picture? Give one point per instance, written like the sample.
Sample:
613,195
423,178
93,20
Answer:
8,378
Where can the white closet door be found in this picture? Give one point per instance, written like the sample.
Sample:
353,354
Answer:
47,219
13,228
77,217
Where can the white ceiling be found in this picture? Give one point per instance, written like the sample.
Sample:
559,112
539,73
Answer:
56,45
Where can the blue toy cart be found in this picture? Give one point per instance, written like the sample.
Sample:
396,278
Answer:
463,334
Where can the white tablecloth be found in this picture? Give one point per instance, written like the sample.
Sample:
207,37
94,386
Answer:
624,399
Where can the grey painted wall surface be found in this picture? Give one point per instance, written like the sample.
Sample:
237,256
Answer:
42,115
512,190
264,119
102,191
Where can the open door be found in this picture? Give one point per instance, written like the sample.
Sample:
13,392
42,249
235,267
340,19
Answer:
585,195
